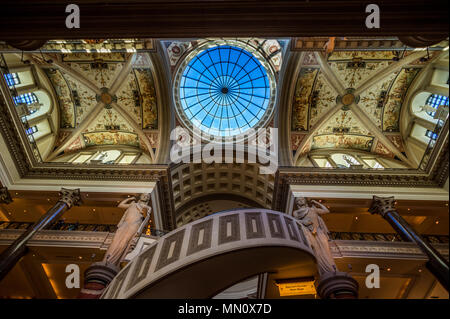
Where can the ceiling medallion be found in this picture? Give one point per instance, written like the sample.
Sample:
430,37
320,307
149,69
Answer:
106,98
347,99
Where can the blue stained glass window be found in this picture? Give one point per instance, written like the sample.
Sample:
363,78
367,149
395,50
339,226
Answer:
31,130
27,98
12,79
431,135
224,91
435,100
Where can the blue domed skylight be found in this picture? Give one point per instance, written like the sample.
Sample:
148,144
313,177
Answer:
224,91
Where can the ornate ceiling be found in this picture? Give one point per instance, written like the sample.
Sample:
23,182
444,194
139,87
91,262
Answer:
104,99
352,100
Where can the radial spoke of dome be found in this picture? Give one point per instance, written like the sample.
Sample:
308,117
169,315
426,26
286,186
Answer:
205,68
251,102
213,64
248,73
194,104
252,80
248,108
228,60
236,63
187,76
262,97
196,95
202,73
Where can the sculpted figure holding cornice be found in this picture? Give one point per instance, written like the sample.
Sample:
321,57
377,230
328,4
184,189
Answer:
133,221
317,232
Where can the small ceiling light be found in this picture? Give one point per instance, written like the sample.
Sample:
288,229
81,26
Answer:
24,210
389,269
437,222
93,209
17,193
356,218
409,208
420,270
79,257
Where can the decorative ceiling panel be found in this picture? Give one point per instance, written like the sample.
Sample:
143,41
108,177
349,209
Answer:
343,122
63,92
373,99
391,111
359,142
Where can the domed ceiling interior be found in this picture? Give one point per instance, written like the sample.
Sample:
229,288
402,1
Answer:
109,98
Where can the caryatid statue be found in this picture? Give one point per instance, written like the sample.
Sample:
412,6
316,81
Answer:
317,232
133,221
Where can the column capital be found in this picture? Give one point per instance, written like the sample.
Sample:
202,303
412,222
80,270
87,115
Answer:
5,197
382,205
72,197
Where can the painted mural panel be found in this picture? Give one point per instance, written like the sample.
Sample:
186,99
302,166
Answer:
300,103
62,89
111,138
359,142
396,95
149,102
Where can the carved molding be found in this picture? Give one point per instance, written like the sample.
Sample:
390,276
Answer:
382,205
71,197
385,250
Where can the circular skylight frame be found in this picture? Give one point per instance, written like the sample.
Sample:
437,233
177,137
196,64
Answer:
270,74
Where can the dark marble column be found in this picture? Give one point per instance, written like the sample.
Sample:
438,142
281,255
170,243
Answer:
437,265
18,248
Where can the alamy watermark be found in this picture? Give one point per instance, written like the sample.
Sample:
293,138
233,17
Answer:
372,20
254,146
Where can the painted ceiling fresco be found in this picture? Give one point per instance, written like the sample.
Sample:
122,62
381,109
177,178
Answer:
136,95
314,95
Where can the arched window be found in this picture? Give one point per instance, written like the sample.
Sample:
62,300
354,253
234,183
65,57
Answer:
435,100
344,160
28,98
12,79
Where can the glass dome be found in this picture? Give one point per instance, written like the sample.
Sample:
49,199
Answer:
224,91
